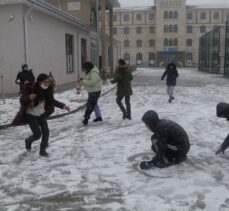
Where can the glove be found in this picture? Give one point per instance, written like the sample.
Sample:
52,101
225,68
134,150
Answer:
18,81
146,165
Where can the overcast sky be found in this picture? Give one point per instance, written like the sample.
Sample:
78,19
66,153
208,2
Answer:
127,3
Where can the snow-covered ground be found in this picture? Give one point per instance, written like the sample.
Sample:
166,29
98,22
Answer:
11,106
95,167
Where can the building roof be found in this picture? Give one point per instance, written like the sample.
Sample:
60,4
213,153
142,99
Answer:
142,8
115,3
209,6
45,7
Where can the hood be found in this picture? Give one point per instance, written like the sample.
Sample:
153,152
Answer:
151,119
95,69
172,64
126,66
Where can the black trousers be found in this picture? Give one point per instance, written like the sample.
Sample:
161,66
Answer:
225,144
126,111
173,154
91,103
39,128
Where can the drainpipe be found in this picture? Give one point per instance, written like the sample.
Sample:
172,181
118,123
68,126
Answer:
26,37
98,32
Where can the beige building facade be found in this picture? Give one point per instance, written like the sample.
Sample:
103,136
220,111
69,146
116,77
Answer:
168,31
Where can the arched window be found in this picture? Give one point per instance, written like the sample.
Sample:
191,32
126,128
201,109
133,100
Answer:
166,15
203,29
170,42
151,43
170,14
175,42
166,28
189,57
189,43
151,56
152,29
175,29
127,58
170,28
126,30
139,58
126,43
175,15
139,43
189,29
139,30
166,42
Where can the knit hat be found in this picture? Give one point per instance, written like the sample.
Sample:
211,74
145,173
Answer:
42,77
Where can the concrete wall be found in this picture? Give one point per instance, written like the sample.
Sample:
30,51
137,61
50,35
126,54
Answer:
11,44
46,39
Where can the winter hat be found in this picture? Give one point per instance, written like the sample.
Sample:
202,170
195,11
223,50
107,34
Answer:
88,66
42,77
121,62
151,119
24,66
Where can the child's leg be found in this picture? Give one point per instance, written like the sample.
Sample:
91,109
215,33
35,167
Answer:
97,111
45,132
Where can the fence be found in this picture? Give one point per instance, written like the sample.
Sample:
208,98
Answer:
210,50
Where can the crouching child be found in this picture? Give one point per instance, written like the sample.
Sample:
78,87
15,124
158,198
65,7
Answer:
170,142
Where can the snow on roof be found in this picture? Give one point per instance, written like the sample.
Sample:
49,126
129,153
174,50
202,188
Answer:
209,6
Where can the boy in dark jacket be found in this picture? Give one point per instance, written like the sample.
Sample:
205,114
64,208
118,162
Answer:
123,78
222,111
170,141
172,75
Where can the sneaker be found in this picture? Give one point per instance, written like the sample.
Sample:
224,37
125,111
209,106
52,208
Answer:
85,121
43,153
99,119
28,145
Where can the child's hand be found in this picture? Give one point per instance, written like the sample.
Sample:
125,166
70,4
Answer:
67,108
32,97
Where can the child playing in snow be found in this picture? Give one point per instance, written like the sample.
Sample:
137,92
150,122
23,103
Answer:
170,141
172,75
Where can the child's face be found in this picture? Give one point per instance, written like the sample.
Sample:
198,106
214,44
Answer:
147,127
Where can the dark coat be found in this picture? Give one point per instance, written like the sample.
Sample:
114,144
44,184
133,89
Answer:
172,75
48,97
25,75
123,78
222,110
166,132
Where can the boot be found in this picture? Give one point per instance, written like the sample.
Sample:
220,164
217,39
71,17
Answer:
128,116
85,121
43,153
28,144
170,100
98,119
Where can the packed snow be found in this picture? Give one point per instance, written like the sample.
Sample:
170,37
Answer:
96,167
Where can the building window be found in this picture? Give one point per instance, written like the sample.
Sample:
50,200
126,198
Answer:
69,44
166,28
126,43
166,42
152,58
189,16
127,58
170,28
139,17
139,43
175,15
151,43
139,58
203,16
126,17
175,42
93,21
227,16
189,43
166,15
114,30
216,16
203,29
171,15
175,28
152,29
114,18
126,30
189,29
151,16
189,57
170,42
139,30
